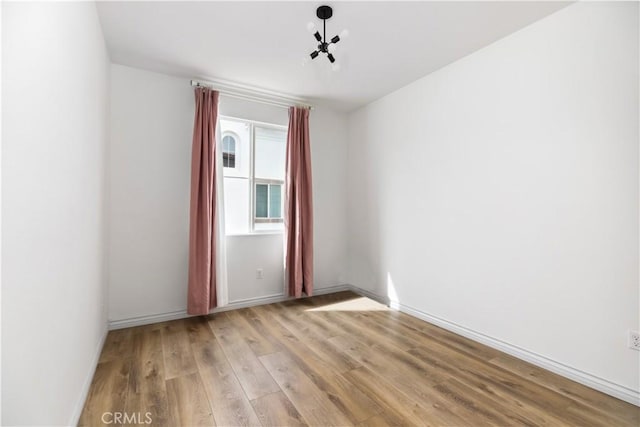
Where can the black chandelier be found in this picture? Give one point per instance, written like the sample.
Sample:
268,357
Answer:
326,47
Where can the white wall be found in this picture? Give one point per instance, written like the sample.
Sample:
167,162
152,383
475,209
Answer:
55,129
151,132
328,134
149,162
247,253
500,193
0,222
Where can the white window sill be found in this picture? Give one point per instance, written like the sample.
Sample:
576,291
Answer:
256,233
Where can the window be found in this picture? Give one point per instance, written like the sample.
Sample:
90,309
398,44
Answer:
253,189
228,151
268,202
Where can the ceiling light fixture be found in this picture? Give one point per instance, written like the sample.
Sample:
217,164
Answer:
327,47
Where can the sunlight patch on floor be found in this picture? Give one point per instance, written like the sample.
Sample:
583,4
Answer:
357,304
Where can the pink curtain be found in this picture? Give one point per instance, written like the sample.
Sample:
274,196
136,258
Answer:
203,216
298,214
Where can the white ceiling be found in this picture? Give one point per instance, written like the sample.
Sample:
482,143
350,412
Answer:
262,44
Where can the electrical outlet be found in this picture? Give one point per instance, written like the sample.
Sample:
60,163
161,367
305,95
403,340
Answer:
259,273
634,340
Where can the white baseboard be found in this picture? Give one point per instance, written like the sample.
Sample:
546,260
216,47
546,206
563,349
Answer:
233,305
84,392
600,384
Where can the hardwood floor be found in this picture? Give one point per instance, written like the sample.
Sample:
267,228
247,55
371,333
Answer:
337,360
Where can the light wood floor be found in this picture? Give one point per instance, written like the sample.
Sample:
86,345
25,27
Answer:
336,360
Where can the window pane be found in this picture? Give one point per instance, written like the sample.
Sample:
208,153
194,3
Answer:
228,160
275,203
229,151
228,144
270,146
261,200
236,205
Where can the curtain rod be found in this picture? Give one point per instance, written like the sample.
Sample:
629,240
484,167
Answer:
251,94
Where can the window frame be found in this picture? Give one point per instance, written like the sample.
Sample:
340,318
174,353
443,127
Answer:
253,220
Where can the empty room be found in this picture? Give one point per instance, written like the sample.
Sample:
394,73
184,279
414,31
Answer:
296,213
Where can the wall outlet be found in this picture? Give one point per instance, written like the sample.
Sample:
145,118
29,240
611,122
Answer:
634,340
259,274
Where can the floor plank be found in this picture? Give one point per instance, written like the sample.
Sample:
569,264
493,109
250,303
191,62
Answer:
349,399
402,406
310,401
239,413
177,352
147,387
318,344
108,392
117,345
479,374
276,409
258,343
188,403
253,377
501,390
622,411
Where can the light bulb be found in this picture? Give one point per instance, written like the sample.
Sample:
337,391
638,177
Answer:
335,66
305,60
311,27
332,48
344,34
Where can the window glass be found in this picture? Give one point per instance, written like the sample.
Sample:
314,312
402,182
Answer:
270,146
275,201
229,151
237,207
262,197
